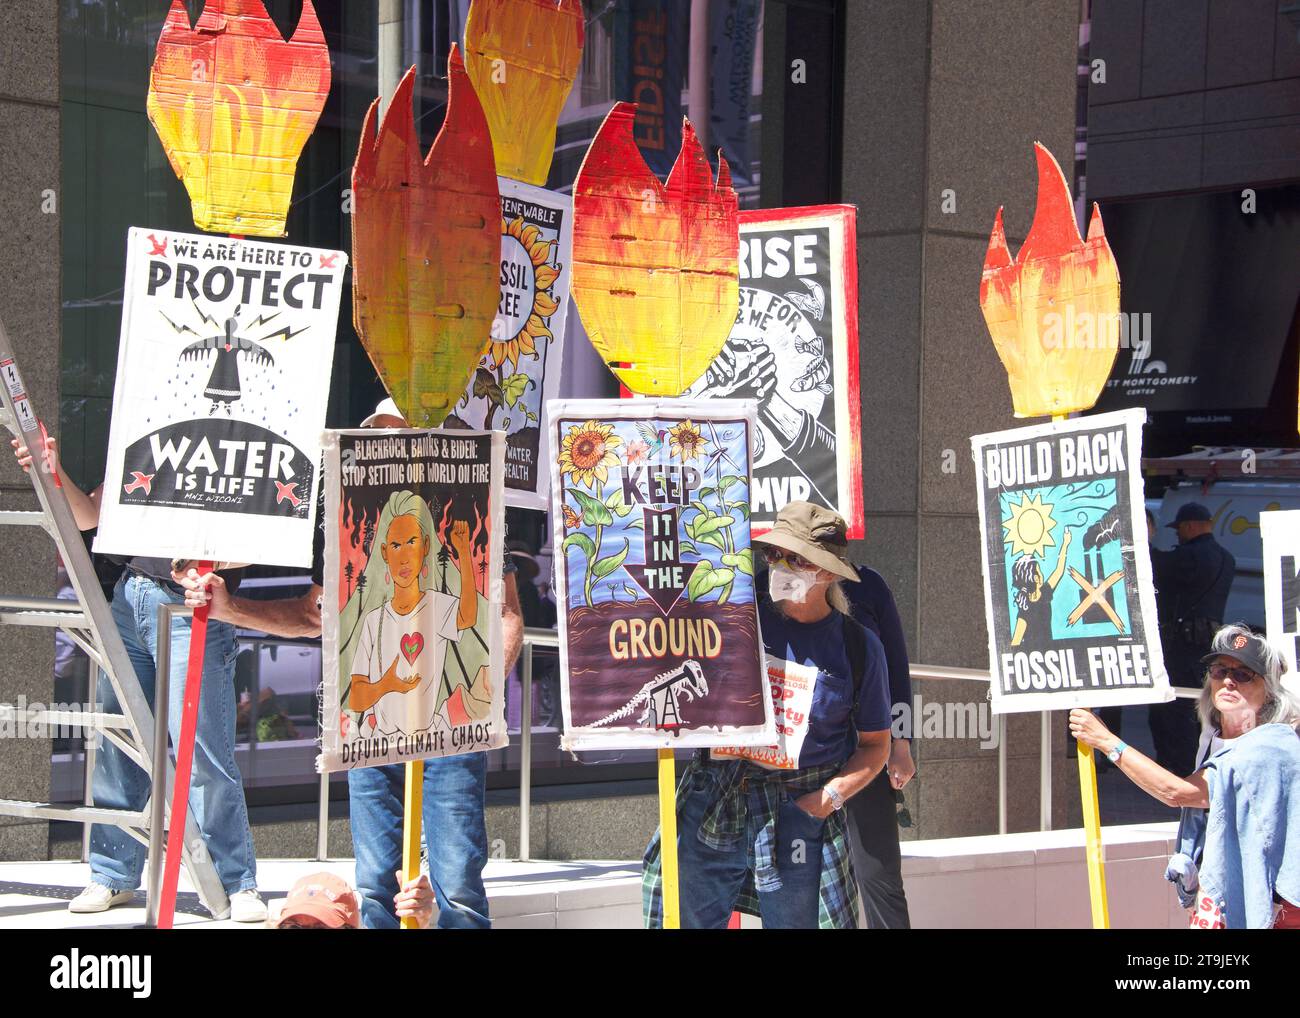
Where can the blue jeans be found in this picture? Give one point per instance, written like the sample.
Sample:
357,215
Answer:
711,879
216,787
455,831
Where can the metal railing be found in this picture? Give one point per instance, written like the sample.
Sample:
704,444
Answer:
534,638
549,638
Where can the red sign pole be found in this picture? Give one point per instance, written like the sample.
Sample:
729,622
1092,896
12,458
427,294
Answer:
184,758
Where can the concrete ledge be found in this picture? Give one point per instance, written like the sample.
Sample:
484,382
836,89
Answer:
1017,881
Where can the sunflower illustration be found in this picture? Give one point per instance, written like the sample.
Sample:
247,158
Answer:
685,440
587,453
523,248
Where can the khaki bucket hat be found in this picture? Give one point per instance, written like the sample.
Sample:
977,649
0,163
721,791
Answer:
818,534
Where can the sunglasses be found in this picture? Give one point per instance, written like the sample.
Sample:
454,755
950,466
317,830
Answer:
773,555
1240,676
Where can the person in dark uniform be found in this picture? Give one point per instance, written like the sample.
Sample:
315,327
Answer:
873,817
1192,583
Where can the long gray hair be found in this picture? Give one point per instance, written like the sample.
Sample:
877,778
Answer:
1280,705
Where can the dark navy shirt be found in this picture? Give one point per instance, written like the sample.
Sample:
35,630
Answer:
833,723
873,605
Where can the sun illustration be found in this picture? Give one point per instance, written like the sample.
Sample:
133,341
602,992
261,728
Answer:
587,453
525,278
1029,530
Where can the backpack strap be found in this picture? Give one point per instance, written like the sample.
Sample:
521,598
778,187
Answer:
855,646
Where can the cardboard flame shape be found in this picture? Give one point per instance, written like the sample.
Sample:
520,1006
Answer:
233,104
654,267
1054,312
522,56
426,245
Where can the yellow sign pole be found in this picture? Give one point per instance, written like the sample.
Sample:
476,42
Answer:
1091,822
1092,827
413,810
668,838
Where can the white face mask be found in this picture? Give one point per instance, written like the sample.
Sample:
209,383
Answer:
788,584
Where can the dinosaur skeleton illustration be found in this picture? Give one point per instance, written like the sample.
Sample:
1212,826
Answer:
660,698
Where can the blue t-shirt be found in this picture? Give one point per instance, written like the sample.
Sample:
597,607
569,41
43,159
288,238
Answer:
832,723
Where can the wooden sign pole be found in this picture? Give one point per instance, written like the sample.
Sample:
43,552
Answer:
413,811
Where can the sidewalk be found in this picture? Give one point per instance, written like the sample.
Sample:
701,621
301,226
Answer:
522,895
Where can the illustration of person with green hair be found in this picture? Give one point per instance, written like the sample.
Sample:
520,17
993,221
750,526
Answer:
397,626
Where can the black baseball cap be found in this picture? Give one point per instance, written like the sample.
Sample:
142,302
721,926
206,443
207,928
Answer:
1246,648
1192,512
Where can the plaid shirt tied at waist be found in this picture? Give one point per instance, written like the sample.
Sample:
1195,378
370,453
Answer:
730,815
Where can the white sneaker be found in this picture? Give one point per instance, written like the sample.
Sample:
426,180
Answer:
98,898
247,907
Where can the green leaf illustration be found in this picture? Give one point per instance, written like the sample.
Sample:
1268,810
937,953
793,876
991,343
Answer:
713,539
593,509
728,481
636,594
616,504
609,563
698,584
742,560
532,416
579,540
715,523
706,492
514,387
485,386
636,524
740,507
689,548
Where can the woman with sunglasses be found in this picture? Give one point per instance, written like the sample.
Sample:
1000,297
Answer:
763,830
1238,864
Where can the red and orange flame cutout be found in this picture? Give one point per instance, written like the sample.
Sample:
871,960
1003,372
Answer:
1054,312
426,243
522,56
654,267
233,104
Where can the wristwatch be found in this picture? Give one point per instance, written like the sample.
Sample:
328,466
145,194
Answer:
1114,755
837,800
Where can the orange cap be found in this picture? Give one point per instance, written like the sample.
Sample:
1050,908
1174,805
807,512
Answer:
325,897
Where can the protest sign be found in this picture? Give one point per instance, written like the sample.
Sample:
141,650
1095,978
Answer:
792,685
222,380
659,642
794,348
1280,532
1069,600
412,609
521,368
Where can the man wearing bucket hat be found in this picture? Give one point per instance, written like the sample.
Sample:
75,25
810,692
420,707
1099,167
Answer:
763,831
1238,860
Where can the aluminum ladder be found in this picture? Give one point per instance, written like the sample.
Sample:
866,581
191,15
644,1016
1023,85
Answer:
88,622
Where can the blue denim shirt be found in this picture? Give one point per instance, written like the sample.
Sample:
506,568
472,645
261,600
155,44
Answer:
1252,838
